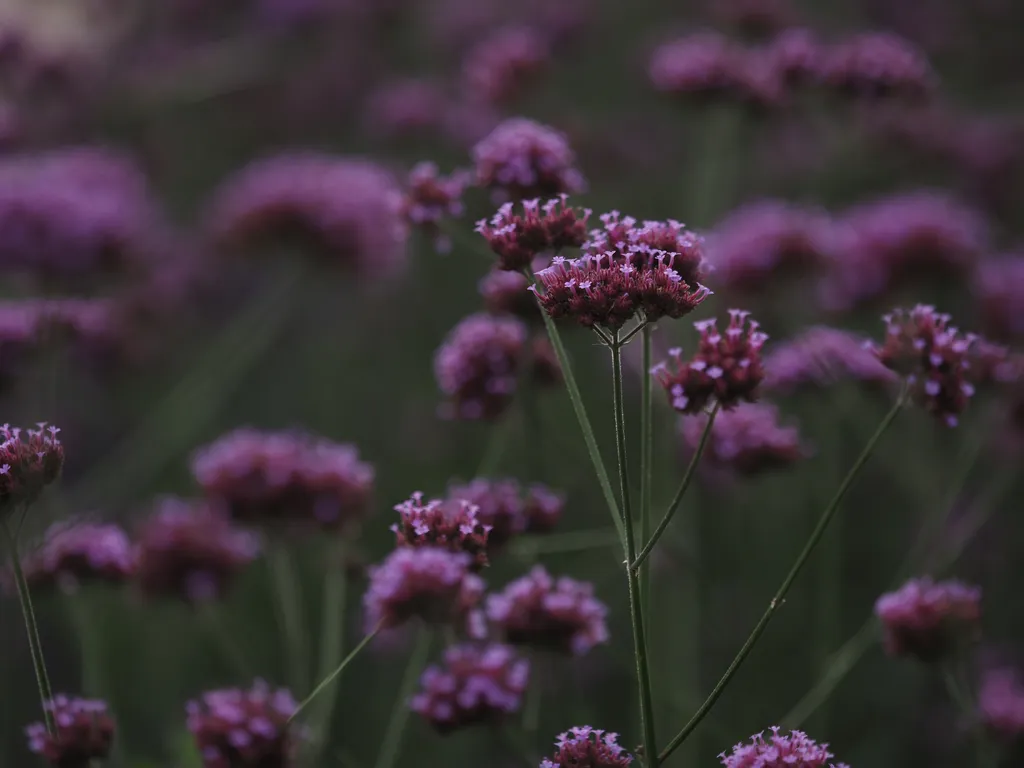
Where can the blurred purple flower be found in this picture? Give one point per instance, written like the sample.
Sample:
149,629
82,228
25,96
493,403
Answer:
520,239
586,747
496,68
522,159
796,750
754,18
505,293
406,108
999,296
450,524
30,460
795,56
509,508
877,65
430,198
821,357
1001,704
747,440
84,733
78,553
928,619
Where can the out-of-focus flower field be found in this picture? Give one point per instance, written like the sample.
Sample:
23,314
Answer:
305,302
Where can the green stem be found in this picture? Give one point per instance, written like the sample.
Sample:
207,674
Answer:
337,671
635,608
678,498
780,595
390,745
288,598
646,463
31,628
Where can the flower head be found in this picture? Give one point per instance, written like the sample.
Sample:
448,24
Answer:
748,439
449,524
586,747
727,366
649,244
496,68
430,198
999,296
75,554
796,57
427,582
290,478
555,614
519,238
821,357
928,619
476,684
238,728
795,750
508,508
1001,704
30,460
190,551
523,159
878,65
84,733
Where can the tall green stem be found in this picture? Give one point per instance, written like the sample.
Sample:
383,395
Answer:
391,744
780,595
635,608
31,628
646,464
288,598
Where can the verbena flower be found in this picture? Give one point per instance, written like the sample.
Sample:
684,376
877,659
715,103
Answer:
509,509
30,460
999,297
560,614
544,508
431,583
878,65
244,728
795,750
522,159
928,619
431,198
586,747
519,238
647,244
1001,704
189,551
407,107
75,554
726,367
748,439
476,684
933,357
289,478
497,67
84,733
796,57
448,524
348,210
822,357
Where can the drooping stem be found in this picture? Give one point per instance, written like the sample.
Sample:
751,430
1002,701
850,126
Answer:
288,599
31,628
678,498
633,582
780,595
646,464
391,744
337,671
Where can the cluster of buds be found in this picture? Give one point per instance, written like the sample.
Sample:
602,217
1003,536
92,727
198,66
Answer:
235,727
795,750
928,619
521,159
430,198
518,238
476,684
509,509
84,733
560,615
727,366
586,747
747,440
452,525
30,460
73,555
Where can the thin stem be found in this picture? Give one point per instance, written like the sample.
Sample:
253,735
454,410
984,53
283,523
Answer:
780,595
337,671
678,498
635,608
391,743
602,335
646,462
288,598
31,629
629,336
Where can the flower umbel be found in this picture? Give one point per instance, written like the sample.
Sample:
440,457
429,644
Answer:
586,747
518,238
522,159
929,619
76,554
30,460
85,732
795,750
748,440
509,509
431,198
452,525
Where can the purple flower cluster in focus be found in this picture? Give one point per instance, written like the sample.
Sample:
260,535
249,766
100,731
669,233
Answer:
586,747
30,460
84,733
795,750
449,524
928,619
518,239
509,509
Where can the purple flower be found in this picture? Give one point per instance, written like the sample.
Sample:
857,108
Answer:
75,554
509,509
928,619
408,107
522,159
999,296
495,68
433,584
821,357
30,460
796,57
560,615
350,210
518,239
236,728
793,751
84,733
448,524
476,684
747,440
878,65
290,478
1001,704
431,198
586,747
190,551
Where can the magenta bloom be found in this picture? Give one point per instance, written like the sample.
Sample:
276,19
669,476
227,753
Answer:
523,159
430,198
452,525
290,478
518,239
793,751
1001,704
76,554
85,732
928,619
433,584
727,366
497,66
586,747
821,357
644,244
476,684
30,460
879,65
190,551
509,509
236,728
748,439
934,357
999,295
560,615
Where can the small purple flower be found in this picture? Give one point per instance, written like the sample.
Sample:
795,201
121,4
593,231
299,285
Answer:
796,57
879,65
522,159
1001,704
448,524
85,733
999,296
929,619
520,238
509,509
431,198
747,440
79,553
821,357
796,750
477,684
586,747
30,460
495,68
236,728
560,615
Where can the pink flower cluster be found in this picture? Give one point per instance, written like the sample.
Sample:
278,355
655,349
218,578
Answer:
521,159
928,619
509,509
452,525
518,239
431,198
84,733
586,747
747,440
795,750
496,67
30,460
821,357
76,554
878,65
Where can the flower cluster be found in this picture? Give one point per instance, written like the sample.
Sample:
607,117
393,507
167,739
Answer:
497,66
523,159
452,525
928,619
190,551
430,198
999,295
820,357
508,509
1001,704
727,366
84,733
586,747
234,727
30,460
934,358
878,65
647,244
285,477
795,750
560,615
75,554
476,684
406,107
795,56
747,440
518,238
